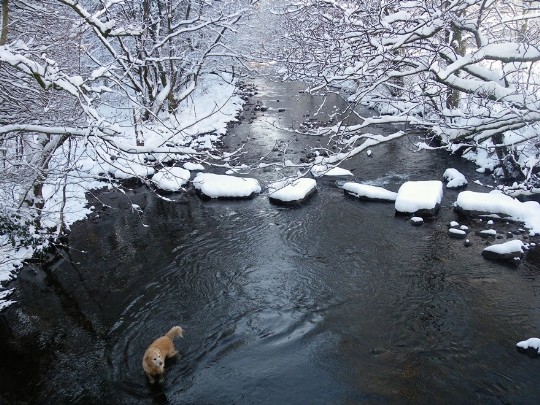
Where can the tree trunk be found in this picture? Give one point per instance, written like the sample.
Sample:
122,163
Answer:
5,22
459,47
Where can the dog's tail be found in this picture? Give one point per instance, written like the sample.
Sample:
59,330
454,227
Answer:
175,331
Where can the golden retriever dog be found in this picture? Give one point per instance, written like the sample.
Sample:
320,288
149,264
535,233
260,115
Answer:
162,348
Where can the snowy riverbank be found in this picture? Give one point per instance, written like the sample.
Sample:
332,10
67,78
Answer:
194,130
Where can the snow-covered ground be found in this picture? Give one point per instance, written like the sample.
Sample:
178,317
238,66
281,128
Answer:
196,126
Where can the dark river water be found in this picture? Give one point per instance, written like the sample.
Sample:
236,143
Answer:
335,301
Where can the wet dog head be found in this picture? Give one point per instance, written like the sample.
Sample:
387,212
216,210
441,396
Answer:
155,361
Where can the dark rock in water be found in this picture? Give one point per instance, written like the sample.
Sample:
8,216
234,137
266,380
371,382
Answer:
457,233
509,235
281,109
508,251
424,212
514,256
529,351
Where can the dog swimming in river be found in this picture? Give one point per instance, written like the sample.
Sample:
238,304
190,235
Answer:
160,349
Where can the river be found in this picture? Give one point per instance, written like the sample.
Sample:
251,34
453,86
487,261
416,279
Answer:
335,301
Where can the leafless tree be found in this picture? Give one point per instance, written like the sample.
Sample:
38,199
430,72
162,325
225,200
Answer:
465,70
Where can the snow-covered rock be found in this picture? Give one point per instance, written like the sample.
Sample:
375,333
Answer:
417,221
487,233
367,192
504,251
454,178
323,170
421,198
223,186
294,192
495,202
171,178
529,345
457,233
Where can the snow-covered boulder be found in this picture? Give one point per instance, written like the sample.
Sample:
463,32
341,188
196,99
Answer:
487,233
495,202
457,233
417,221
171,178
454,178
323,170
292,192
223,186
504,251
420,198
531,346
368,193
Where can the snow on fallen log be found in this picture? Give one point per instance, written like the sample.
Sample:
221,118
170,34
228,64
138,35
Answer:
171,178
454,178
420,198
295,192
495,202
368,193
512,250
224,186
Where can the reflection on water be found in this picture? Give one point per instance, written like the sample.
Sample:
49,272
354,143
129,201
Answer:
337,301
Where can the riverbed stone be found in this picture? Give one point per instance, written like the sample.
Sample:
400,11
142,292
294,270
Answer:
419,198
487,233
508,251
457,233
366,192
292,193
